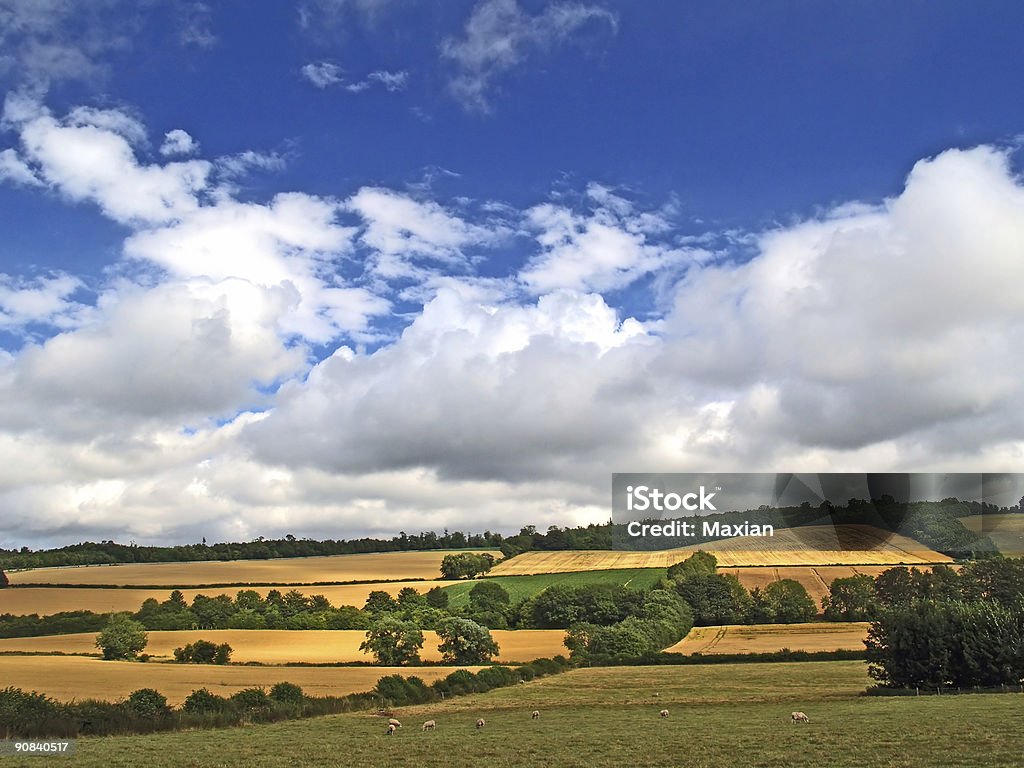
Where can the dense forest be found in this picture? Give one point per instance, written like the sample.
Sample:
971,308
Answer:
935,524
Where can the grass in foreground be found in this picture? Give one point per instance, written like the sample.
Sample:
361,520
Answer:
721,717
522,587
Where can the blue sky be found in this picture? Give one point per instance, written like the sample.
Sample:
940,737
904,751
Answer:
456,263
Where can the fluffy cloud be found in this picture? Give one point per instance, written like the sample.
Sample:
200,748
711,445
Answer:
44,300
178,142
189,402
604,249
499,35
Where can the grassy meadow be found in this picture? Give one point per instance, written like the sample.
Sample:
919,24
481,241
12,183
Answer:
522,587
728,716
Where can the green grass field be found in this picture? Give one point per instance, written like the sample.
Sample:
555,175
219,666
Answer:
727,716
521,587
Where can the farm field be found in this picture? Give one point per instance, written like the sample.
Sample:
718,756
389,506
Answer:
815,579
281,646
295,570
722,716
75,677
521,587
48,600
808,545
766,638
1006,531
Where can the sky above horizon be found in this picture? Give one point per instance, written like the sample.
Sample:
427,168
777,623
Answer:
338,268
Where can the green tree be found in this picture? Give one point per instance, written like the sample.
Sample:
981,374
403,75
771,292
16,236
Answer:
851,599
436,597
790,602
713,598
379,601
3,579
489,597
393,642
122,638
463,641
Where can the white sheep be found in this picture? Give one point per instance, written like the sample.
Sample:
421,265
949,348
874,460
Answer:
799,717
391,729
479,723
429,725
664,713
536,714
394,722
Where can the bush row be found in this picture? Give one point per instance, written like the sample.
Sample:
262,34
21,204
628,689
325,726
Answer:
35,715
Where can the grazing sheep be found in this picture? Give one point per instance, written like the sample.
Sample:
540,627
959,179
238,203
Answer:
664,713
479,723
799,717
429,725
394,722
536,714
391,729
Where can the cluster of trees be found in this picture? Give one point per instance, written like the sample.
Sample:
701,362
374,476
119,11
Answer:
719,598
394,642
248,610
203,652
862,598
109,552
958,644
940,628
466,565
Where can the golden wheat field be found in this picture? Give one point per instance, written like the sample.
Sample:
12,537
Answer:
282,646
808,545
1006,531
766,638
76,677
294,570
815,579
49,600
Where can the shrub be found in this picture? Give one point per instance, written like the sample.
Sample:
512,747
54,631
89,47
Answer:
147,703
251,698
202,701
287,693
20,709
203,652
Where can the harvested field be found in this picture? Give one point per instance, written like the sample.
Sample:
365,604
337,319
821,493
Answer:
49,600
281,646
72,677
808,545
1006,531
766,638
295,570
